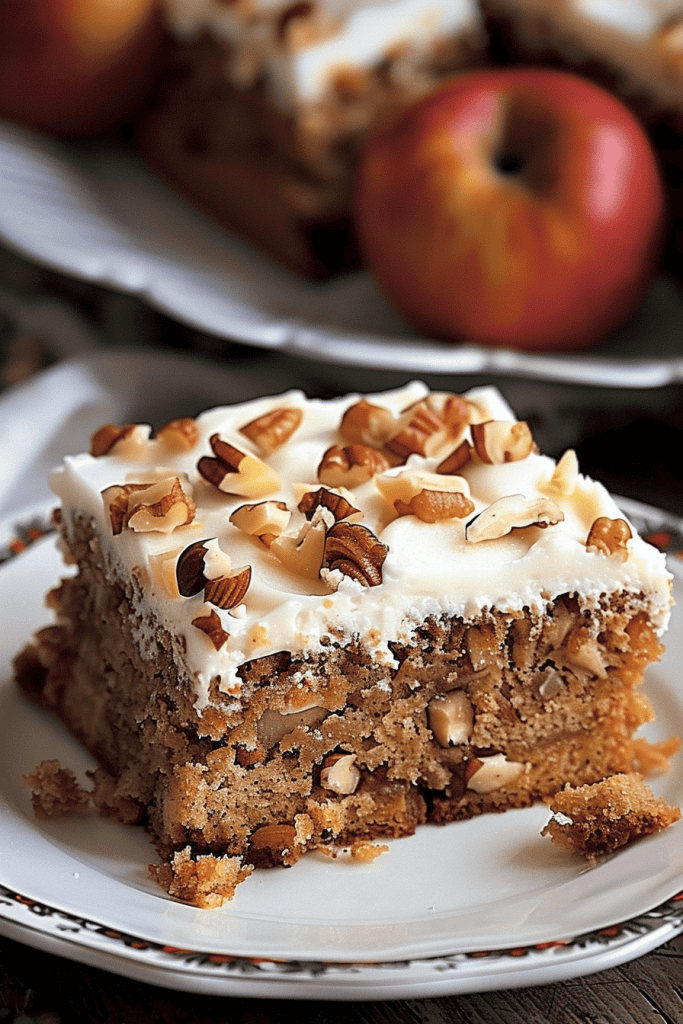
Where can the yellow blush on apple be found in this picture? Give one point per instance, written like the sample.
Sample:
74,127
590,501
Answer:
512,207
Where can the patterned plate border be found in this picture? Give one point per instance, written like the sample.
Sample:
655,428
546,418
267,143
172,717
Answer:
40,916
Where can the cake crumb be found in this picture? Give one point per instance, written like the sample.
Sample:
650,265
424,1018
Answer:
597,819
207,881
55,791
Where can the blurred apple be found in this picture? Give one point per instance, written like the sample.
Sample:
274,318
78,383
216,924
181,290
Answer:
512,207
74,67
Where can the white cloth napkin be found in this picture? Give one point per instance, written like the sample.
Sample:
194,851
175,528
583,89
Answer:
54,413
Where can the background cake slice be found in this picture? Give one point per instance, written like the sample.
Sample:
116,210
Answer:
299,625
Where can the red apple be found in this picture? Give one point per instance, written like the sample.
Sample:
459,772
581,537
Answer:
73,67
512,207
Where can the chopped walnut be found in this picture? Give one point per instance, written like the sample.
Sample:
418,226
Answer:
107,436
458,458
236,472
498,441
429,496
512,512
418,431
564,478
609,537
451,718
265,520
366,424
212,626
179,435
162,506
340,774
493,772
274,428
350,466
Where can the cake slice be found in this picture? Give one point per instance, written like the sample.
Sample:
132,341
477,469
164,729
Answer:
265,104
299,624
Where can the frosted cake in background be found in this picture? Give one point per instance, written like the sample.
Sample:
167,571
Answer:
301,625
265,105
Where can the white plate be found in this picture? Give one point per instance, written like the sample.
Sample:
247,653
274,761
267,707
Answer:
475,905
94,211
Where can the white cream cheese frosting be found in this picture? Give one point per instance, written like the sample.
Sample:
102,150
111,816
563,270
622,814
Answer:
338,36
425,568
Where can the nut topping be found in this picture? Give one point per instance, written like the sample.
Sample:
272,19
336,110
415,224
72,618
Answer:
203,566
512,512
350,466
333,501
303,554
211,625
498,441
179,435
367,424
493,772
451,718
340,774
458,458
429,496
236,472
161,506
562,483
273,429
266,520
609,537
356,552
419,431
106,437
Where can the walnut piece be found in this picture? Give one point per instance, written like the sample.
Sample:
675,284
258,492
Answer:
564,478
211,624
340,774
274,428
493,772
107,436
459,457
237,472
451,718
366,424
350,466
512,512
160,507
418,431
429,496
609,537
499,441
179,435
265,520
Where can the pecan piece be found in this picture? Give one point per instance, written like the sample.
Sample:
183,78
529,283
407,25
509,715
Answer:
609,537
350,466
233,471
459,457
335,502
274,428
212,626
203,566
356,552
429,496
161,506
419,431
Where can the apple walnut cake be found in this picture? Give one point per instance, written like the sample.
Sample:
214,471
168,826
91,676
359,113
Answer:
300,624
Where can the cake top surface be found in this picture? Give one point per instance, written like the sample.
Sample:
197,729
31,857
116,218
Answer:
285,523
300,49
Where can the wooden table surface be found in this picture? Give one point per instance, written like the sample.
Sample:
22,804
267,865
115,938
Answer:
629,439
